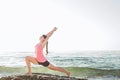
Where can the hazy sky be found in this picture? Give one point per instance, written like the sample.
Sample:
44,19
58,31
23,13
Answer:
82,24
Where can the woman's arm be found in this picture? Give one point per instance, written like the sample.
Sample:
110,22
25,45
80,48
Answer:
51,32
49,35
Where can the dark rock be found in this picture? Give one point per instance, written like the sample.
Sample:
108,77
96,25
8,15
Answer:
39,76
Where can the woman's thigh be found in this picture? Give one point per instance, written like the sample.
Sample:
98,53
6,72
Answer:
32,59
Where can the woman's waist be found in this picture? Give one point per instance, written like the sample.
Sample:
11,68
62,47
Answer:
39,54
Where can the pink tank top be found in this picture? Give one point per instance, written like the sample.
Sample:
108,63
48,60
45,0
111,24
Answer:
39,53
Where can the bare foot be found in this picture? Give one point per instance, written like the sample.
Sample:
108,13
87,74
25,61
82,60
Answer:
28,73
68,74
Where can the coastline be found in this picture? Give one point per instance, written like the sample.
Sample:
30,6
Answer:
76,72
39,76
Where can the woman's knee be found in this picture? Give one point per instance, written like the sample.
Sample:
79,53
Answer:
27,57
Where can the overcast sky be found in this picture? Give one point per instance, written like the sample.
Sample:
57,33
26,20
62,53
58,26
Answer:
82,24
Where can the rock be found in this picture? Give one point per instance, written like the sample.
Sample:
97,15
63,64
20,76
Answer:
39,76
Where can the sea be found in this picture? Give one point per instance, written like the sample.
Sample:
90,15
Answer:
93,65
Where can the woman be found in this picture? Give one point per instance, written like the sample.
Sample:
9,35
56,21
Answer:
40,58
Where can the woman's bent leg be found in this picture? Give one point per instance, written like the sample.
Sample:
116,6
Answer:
28,60
52,67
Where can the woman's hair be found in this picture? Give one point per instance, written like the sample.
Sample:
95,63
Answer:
46,44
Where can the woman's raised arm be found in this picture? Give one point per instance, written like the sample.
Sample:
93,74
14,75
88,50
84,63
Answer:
51,32
49,35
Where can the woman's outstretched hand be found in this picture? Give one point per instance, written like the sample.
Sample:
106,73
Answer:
55,28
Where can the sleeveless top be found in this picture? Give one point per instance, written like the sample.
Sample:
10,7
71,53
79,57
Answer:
39,53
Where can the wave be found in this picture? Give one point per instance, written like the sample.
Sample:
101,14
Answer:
75,71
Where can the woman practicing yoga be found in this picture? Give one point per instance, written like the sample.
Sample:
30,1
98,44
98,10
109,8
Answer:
40,58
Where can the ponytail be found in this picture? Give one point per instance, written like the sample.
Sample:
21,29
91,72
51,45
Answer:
46,44
46,48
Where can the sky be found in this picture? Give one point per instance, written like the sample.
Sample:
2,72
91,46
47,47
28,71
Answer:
82,24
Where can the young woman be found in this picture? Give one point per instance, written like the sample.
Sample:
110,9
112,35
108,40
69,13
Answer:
40,58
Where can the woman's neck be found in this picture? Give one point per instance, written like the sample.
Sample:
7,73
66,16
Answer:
41,42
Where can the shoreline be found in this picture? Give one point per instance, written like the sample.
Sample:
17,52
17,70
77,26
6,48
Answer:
80,72
39,76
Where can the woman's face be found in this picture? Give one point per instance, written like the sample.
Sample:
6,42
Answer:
41,38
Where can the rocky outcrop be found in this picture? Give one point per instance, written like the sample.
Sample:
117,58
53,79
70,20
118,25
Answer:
39,76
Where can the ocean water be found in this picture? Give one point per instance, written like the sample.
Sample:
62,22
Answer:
94,65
